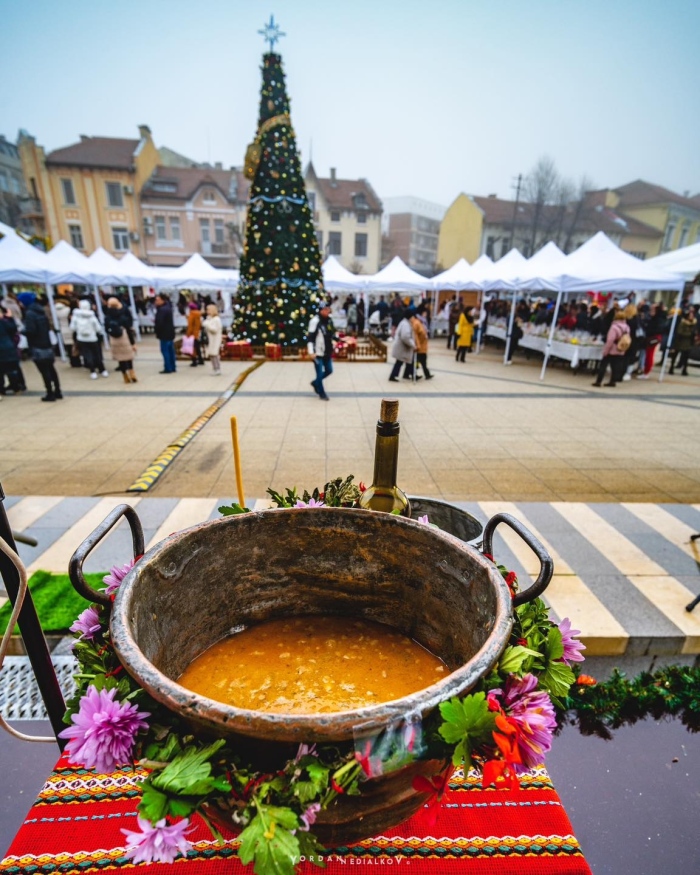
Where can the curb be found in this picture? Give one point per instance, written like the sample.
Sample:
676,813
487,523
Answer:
162,462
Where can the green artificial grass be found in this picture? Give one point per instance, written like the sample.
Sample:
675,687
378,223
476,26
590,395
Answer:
57,603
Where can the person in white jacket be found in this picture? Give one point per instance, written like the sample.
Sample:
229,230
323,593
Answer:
320,348
212,325
88,331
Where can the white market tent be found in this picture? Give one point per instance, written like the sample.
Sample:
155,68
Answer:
135,272
602,266
105,269
20,262
685,261
503,273
458,278
194,273
397,277
337,278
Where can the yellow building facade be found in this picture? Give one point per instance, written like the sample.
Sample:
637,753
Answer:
90,192
461,232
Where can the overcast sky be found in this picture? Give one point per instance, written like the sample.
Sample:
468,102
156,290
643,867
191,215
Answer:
421,98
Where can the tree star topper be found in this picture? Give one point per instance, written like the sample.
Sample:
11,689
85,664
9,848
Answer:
271,32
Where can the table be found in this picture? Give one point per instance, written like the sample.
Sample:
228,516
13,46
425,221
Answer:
571,352
74,827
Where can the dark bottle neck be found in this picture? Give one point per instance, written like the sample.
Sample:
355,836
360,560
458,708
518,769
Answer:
386,454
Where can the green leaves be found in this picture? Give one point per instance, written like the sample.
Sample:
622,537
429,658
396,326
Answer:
233,509
189,774
557,678
513,658
269,843
467,723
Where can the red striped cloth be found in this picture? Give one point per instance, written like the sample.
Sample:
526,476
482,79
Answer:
75,827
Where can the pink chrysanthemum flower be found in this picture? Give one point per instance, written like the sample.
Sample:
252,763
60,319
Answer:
305,750
157,843
532,712
572,647
424,519
311,503
308,818
103,731
88,624
116,574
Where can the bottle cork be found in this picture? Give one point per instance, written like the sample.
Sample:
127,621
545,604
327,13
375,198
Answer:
390,410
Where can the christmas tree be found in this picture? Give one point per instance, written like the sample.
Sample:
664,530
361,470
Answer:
281,281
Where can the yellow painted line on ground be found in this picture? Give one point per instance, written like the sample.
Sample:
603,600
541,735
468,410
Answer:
28,510
567,594
664,591
667,525
150,476
57,556
186,513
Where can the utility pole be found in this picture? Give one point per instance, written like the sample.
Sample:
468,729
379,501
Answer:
515,209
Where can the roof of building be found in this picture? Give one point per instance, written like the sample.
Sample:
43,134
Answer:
592,218
341,194
640,193
111,152
181,183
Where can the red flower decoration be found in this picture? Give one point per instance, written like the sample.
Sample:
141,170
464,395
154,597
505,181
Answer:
585,680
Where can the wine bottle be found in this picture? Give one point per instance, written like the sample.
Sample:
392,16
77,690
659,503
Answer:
384,495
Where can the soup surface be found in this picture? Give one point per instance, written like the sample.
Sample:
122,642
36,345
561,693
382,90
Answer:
312,665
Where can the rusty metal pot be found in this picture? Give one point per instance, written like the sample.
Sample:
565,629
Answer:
202,584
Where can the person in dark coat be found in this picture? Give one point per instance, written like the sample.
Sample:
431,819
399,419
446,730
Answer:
164,327
9,355
36,329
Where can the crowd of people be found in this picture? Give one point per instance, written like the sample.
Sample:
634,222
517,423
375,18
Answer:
89,334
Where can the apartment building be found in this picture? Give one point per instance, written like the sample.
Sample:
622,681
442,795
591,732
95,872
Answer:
347,217
411,230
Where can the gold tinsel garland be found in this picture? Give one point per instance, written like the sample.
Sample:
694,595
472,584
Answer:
254,151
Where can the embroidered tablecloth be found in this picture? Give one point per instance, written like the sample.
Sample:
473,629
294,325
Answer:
75,827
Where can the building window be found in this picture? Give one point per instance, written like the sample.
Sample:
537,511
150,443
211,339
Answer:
114,194
219,236
4,184
120,239
335,240
490,244
360,245
204,231
311,197
670,231
209,196
683,239
640,255
76,236
362,218
335,215
161,233
175,228
68,193
319,237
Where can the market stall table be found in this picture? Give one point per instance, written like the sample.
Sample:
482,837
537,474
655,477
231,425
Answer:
569,351
75,826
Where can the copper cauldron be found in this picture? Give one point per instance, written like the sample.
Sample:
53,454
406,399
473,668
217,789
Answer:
200,585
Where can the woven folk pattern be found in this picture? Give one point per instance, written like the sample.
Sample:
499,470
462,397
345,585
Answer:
75,827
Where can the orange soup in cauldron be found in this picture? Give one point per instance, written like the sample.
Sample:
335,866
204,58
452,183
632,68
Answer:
312,665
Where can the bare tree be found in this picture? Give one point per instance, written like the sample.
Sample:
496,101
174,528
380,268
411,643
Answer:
585,185
540,189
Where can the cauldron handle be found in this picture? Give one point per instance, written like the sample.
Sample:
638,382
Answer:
546,563
75,568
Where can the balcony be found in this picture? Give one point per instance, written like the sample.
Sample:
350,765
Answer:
30,208
223,250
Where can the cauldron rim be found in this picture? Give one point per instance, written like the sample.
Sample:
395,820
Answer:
219,718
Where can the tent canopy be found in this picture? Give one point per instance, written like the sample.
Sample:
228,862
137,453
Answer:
105,269
601,265
397,277
685,261
337,278
135,272
20,262
67,265
457,278
503,273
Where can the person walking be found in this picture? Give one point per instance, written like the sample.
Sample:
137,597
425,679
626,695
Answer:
212,325
36,329
87,331
194,329
118,325
164,327
683,341
319,342
656,326
420,335
465,333
617,343
453,314
403,347
10,367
